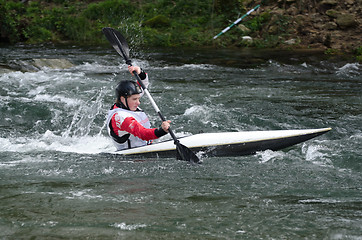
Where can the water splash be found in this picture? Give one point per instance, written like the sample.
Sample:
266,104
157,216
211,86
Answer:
52,142
316,153
124,226
270,156
83,120
350,70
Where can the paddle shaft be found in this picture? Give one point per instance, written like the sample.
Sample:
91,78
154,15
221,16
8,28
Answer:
152,102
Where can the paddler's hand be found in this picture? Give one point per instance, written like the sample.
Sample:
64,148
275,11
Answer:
165,125
131,69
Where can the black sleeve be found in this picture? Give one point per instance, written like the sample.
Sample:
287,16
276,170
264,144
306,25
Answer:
142,75
160,132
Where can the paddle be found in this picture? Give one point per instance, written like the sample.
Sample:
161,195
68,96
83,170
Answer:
120,44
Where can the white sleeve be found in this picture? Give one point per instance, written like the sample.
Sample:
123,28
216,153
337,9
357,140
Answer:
145,82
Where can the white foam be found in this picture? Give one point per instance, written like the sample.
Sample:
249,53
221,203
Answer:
188,66
349,69
350,66
24,160
37,90
85,144
99,68
319,201
108,170
269,155
325,200
196,110
85,194
202,113
38,82
125,226
314,153
57,99
49,224
51,142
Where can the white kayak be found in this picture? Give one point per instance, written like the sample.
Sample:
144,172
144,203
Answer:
227,143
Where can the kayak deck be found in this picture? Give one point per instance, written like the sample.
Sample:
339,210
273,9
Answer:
228,143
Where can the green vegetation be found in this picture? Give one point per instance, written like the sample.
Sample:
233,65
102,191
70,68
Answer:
331,51
359,54
145,22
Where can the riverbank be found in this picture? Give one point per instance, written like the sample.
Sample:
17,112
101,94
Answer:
332,26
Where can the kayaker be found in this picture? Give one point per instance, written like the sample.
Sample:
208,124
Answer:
127,124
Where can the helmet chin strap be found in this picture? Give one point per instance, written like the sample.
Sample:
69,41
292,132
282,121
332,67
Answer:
125,100
127,103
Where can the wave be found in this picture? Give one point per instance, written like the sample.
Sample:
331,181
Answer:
350,70
186,66
124,226
52,142
57,99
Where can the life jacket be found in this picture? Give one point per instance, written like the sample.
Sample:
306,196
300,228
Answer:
125,140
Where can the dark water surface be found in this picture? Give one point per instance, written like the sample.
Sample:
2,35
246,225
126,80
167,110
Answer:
59,180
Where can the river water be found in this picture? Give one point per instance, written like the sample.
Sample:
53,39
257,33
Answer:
59,178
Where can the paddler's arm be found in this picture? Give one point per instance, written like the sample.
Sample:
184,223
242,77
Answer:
132,126
142,74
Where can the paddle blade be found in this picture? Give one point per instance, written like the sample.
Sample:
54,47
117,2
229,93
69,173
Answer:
184,153
117,41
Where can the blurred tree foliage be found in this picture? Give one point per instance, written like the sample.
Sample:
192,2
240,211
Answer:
144,22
